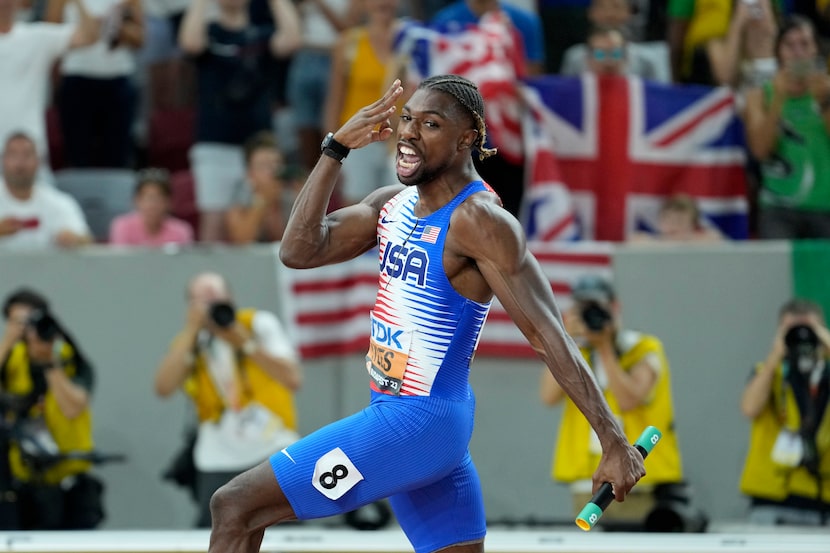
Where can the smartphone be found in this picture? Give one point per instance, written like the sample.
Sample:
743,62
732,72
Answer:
754,7
31,223
803,68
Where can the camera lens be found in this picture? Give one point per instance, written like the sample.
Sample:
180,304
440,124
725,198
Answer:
801,340
595,316
45,326
223,314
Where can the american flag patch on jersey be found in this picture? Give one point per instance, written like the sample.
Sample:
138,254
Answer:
430,234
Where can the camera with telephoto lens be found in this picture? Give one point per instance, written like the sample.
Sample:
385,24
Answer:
801,341
595,316
46,327
222,314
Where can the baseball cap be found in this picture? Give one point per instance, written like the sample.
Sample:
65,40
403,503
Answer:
593,288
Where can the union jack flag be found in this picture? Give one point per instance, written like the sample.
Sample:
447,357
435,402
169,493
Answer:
621,146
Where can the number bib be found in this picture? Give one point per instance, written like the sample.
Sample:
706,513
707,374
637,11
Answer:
335,474
388,356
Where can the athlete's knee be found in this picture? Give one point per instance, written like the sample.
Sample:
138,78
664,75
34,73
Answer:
228,505
251,500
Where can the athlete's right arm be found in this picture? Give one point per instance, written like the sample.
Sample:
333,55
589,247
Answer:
312,237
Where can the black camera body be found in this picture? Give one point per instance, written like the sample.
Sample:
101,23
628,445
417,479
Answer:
46,327
801,341
223,314
595,316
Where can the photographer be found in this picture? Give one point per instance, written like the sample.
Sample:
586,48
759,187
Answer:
632,370
240,370
787,470
46,384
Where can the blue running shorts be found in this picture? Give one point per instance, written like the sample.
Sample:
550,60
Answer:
413,450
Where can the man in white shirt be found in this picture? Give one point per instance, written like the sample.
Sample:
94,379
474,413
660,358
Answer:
35,216
27,54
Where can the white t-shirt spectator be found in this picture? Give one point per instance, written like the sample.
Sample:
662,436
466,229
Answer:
316,29
27,53
96,61
48,212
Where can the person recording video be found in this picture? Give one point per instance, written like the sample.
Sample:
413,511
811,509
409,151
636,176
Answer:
786,473
241,371
632,370
45,388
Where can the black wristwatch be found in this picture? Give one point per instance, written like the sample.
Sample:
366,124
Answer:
333,148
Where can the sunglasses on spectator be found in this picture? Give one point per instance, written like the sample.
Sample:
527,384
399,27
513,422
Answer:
603,54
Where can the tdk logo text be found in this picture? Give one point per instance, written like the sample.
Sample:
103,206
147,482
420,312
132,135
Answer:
385,335
405,261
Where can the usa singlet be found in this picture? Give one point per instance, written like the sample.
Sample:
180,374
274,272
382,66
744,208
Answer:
411,443
424,333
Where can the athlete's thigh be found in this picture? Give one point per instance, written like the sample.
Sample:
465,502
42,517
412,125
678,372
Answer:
387,448
444,513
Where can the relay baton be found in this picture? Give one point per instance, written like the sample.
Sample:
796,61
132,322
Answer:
590,513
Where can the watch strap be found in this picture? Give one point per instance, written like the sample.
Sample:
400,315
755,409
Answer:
333,154
334,149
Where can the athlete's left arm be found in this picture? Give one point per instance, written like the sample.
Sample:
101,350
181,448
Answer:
494,240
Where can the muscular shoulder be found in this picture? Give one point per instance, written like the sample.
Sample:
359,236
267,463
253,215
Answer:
378,198
482,229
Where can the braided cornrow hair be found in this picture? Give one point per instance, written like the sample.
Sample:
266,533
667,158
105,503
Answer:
467,94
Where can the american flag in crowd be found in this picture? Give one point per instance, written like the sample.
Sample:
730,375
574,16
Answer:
621,146
490,55
327,308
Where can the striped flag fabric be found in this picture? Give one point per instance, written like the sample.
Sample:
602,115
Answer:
490,54
623,145
328,311
548,212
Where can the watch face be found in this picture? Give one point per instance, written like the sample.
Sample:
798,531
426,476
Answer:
332,145
326,141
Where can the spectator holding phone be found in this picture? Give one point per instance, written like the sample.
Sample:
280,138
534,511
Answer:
231,53
96,96
28,52
788,131
264,201
33,217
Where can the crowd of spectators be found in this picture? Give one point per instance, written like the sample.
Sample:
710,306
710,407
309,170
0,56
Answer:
182,87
